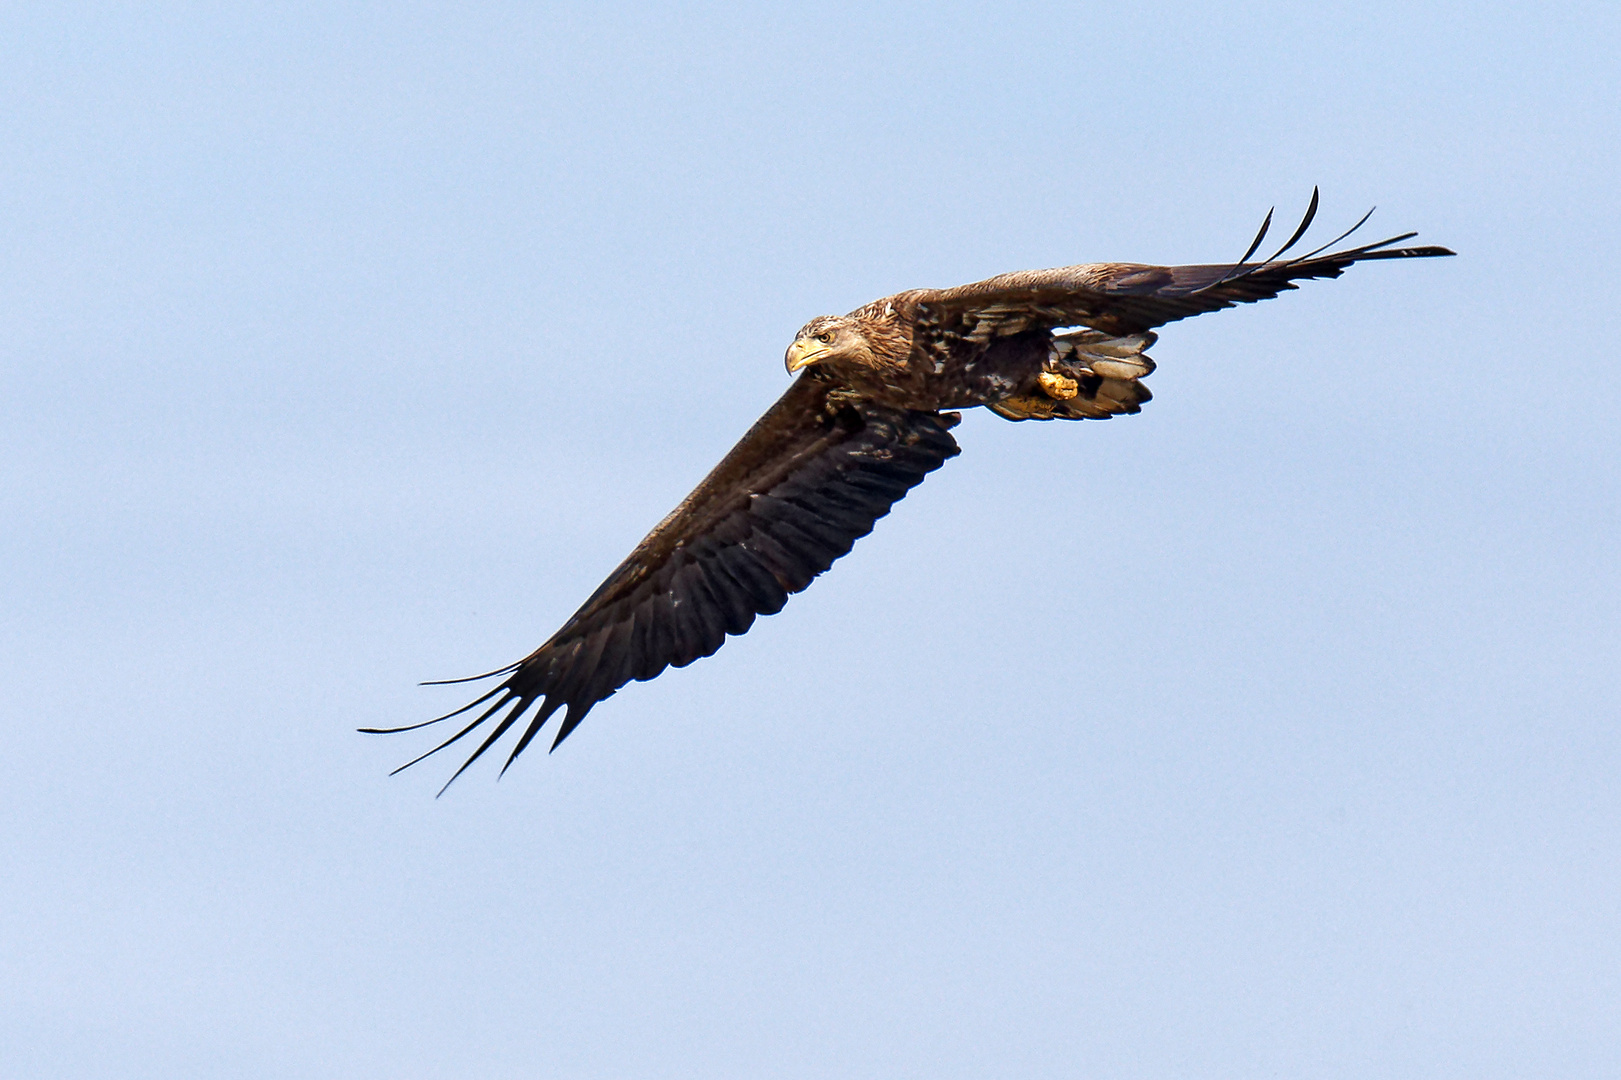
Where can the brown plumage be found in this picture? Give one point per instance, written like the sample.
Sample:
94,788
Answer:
866,420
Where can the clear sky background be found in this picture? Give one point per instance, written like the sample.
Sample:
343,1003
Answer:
1272,732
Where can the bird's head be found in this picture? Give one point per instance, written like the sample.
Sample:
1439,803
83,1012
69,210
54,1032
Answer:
831,338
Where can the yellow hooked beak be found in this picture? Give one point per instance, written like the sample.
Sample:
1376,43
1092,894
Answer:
803,353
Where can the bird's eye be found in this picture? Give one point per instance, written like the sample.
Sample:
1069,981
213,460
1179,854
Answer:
825,337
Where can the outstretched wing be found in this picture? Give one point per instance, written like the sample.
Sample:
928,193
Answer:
809,479
1128,298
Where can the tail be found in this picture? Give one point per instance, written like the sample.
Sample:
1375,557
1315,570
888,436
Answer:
1089,375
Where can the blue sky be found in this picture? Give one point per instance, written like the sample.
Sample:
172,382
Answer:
1270,732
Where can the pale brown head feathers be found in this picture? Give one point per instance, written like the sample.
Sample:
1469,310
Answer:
831,339
861,340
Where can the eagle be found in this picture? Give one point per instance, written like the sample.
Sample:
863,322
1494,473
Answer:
868,416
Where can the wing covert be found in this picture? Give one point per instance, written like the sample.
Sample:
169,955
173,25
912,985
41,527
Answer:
1127,298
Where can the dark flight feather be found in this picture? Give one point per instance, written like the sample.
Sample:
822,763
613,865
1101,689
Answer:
807,481
1126,298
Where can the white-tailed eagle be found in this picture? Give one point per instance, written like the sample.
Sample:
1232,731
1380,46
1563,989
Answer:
869,416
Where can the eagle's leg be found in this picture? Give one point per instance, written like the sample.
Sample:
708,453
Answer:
1051,390
1084,395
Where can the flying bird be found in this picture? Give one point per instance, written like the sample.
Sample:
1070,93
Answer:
867,418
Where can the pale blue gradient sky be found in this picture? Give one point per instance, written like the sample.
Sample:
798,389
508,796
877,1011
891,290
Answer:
1272,732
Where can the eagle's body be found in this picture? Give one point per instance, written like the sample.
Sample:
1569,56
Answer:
867,418
910,353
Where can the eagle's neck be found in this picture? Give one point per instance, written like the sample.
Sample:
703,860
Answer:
888,330
882,371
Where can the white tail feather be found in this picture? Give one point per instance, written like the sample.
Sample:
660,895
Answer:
1104,354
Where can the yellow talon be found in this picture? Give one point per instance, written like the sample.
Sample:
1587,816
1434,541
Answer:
1056,386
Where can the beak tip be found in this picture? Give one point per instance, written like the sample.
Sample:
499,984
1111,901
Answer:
800,356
